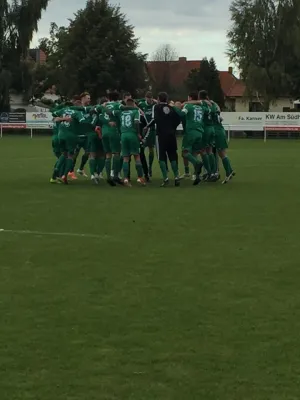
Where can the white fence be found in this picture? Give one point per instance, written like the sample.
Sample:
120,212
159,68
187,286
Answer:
232,121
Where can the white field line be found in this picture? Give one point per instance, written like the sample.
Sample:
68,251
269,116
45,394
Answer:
41,233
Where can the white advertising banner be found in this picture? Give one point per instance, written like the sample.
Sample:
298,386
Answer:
233,121
244,121
282,119
258,121
39,120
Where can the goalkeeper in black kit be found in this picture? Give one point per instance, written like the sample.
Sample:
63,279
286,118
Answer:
167,121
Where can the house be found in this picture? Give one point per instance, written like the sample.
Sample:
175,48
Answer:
37,55
237,100
234,89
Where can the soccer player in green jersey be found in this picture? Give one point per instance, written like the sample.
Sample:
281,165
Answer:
178,107
75,104
146,105
221,143
94,143
96,158
194,132
208,137
130,140
55,145
68,137
85,101
111,139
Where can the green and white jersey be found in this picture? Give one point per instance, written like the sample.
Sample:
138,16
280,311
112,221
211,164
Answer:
106,118
194,116
146,108
72,127
128,120
53,111
208,115
86,126
216,114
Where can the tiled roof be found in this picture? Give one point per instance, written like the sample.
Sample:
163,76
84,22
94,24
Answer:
238,89
179,71
231,86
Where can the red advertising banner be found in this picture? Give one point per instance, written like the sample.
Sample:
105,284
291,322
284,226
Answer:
13,126
283,128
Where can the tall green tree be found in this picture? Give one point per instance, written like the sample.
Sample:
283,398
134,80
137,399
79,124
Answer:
98,51
215,90
206,77
52,72
264,43
5,76
18,21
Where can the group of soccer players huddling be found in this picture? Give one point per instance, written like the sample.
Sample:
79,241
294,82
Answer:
111,132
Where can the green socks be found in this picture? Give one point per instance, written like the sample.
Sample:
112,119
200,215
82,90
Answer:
55,171
139,169
126,169
163,168
84,160
206,163
193,160
116,165
74,161
227,165
186,165
108,167
93,165
212,163
174,167
60,165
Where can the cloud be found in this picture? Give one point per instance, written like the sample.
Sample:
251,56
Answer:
199,14
196,28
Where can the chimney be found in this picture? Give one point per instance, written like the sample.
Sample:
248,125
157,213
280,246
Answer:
182,59
230,70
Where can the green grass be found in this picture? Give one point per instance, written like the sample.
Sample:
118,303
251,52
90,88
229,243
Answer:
189,293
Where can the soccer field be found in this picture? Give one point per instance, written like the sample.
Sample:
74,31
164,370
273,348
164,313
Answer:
169,294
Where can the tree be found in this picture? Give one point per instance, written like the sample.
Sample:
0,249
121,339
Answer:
52,72
199,79
165,53
206,77
98,51
5,76
162,60
19,20
264,44
215,90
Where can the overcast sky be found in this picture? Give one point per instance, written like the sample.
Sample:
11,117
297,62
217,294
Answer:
196,28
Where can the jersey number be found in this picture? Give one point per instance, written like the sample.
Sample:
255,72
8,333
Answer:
126,121
198,115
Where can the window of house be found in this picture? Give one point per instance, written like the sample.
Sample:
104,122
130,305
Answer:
230,104
255,106
297,107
